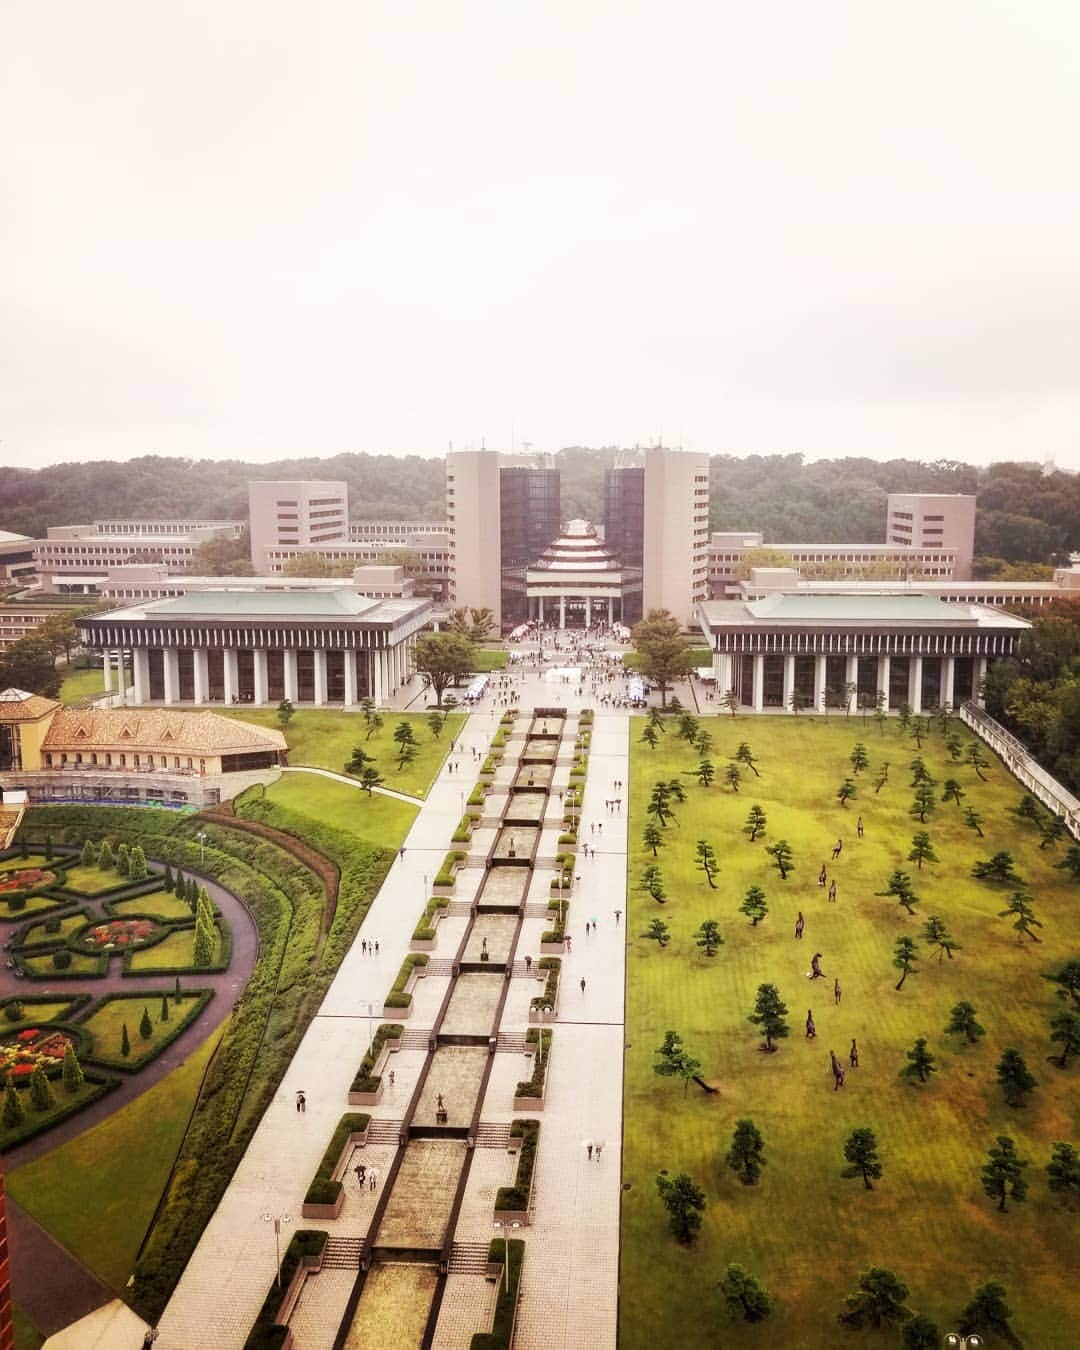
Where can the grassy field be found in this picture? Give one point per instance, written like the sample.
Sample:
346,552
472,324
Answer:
805,1231
491,658
93,880
105,1023
76,684
18,864
177,952
377,820
325,738
96,1193
80,964
39,933
699,656
158,904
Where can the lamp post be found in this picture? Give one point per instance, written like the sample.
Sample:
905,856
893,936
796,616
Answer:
505,1227
370,1017
201,837
277,1220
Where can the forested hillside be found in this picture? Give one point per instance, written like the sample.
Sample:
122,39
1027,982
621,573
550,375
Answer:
1023,513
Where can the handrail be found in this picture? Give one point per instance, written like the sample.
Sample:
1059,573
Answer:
1023,765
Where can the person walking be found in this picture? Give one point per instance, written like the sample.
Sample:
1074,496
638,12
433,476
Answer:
589,1148
583,984
816,973
373,1177
363,946
599,1148
360,1170
301,1102
391,1077
859,827
823,876
528,965
618,916
837,849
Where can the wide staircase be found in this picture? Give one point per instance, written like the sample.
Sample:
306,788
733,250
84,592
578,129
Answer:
468,1258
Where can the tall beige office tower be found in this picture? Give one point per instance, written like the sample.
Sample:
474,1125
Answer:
934,520
299,512
502,511
675,567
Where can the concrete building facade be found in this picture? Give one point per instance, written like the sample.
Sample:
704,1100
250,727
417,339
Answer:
922,520
298,512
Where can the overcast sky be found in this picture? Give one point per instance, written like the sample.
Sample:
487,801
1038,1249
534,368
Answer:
250,228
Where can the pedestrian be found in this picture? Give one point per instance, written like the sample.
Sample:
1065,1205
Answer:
360,1170
853,1054
811,1030
528,965
832,891
301,1102
800,924
836,991
837,847
376,946
859,827
589,1148
822,876
569,944
363,945
599,1148
391,1077
592,827
618,916
583,984
373,1177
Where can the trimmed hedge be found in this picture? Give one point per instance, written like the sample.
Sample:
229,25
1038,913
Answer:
397,997
365,1081
425,929
498,1338
34,1124
516,1197
266,1334
323,1189
534,1086
463,833
585,717
476,796
557,931
553,966
489,764
445,875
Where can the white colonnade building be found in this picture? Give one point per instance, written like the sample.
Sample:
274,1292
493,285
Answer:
867,651
312,647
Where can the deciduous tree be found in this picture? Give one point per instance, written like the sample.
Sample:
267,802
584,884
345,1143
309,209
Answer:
663,651
441,659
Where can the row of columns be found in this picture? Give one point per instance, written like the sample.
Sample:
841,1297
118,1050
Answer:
391,669
724,668
604,609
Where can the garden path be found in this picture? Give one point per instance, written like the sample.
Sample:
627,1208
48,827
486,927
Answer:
351,782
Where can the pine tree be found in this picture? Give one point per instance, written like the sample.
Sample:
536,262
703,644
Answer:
744,1295
879,1300
1063,1170
846,791
769,1014
176,991
921,1063
1065,1031
652,837
937,935
706,861
658,932
859,758
904,958
203,951
137,863
122,852
650,736
13,1107
125,1042
146,1027
684,1202
755,822
708,937
1024,916
1003,1173
88,857
1015,1079
167,878
163,1015
988,1311
732,777
48,848
899,885
922,850
745,1157
920,1334
753,905
962,1023
192,895
105,856
179,885
861,1153
41,1094
72,1072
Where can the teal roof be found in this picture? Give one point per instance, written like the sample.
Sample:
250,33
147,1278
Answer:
300,605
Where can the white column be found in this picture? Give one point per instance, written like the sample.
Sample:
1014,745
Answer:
289,673
722,671
231,676
378,690
789,679
140,662
949,682
851,676
540,608
106,669
588,611
171,671
884,669
201,672
759,683
320,677
350,677
820,668
610,602
562,611
915,685
980,675
260,672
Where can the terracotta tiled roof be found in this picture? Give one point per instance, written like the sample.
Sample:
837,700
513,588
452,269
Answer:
16,705
168,730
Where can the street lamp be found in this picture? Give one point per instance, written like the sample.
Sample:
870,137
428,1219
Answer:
277,1220
201,837
498,1224
370,1018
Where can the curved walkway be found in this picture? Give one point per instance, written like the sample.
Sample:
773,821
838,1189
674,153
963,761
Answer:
351,782
226,984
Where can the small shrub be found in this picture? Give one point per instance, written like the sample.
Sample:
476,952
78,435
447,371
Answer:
61,960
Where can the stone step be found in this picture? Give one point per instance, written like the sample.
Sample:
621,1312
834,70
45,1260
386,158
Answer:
458,909
513,1042
414,1038
343,1253
438,965
384,1132
468,1258
520,968
491,1134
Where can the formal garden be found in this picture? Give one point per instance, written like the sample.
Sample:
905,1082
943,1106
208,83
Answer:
853,1031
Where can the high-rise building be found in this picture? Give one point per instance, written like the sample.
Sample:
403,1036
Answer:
296,513
934,520
502,511
656,522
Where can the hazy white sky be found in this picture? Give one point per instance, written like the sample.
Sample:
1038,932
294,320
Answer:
254,228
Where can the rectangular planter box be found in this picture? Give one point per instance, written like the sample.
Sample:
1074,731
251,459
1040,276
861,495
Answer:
528,1103
422,944
553,949
536,1019
324,1211
396,1014
439,889
366,1098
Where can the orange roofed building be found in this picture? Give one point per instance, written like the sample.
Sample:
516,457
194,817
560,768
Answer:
130,756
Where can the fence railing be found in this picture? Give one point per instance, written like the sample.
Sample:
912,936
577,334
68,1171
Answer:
1020,762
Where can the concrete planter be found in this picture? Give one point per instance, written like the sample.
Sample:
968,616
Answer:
324,1211
422,944
366,1098
528,1103
511,1216
444,889
552,949
513,1144
396,1014
536,1018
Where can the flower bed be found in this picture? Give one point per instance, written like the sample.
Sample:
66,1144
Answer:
366,1086
119,935
325,1195
25,880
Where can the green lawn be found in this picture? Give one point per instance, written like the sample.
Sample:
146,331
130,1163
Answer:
79,684
93,880
805,1231
96,1193
39,934
36,1013
176,952
699,656
81,964
106,1023
325,738
17,864
376,819
158,904
491,658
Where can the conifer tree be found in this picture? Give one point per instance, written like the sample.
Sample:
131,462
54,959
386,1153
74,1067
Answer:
72,1072
41,1095
146,1027
13,1107
125,1042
